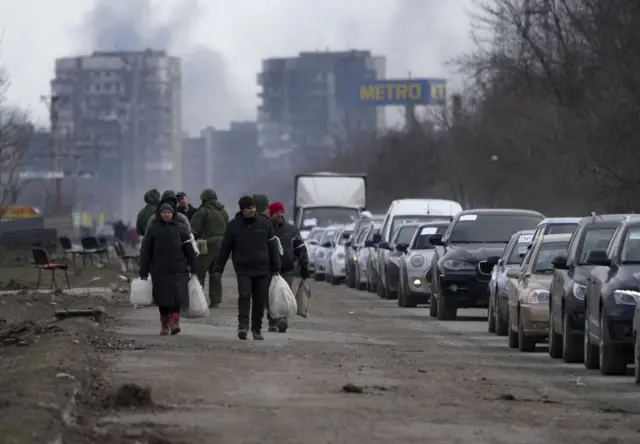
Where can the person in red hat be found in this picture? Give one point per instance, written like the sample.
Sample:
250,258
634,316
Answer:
293,251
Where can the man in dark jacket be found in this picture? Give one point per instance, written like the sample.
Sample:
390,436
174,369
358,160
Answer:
262,204
209,225
293,250
151,199
251,241
184,206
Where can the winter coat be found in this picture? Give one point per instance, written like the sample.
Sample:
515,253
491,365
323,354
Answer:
253,245
293,247
169,197
189,212
208,223
212,195
152,199
165,253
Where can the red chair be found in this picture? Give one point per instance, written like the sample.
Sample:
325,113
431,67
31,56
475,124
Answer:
43,262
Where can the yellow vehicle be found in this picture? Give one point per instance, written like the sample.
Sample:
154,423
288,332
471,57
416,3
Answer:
528,292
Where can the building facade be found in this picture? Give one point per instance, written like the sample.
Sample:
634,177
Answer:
309,101
198,160
117,120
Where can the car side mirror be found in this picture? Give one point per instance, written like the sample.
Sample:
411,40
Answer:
560,263
369,243
493,260
402,247
327,245
598,257
514,273
500,262
348,244
384,245
377,238
435,239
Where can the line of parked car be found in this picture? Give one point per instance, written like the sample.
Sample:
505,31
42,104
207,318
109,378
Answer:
573,282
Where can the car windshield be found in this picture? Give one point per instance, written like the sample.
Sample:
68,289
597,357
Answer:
490,228
422,240
405,234
631,247
593,239
363,234
372,233
518,252
327,236
567,228
546,253
420,218
325,216
316,235
344,237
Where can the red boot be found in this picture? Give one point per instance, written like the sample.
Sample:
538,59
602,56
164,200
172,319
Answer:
164,322
175,323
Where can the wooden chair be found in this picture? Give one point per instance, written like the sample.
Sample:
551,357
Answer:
43,262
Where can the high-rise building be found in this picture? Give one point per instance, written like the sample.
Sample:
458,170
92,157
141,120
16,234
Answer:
309,101
120,115
198,160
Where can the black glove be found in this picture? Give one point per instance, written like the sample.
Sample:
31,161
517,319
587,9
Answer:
144,277
304,272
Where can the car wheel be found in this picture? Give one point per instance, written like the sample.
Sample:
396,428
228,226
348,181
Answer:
512,336
636,358
590,351
445,311
335,281
555,339
610,358
350,275
572,349
491,317
433,304
525,343
502,325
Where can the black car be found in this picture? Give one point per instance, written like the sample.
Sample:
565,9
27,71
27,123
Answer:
567,290
466,253
636,347
610,300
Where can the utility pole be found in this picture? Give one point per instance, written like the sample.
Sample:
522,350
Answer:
52,104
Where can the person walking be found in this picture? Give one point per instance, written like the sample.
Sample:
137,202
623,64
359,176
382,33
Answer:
170,197
184,206
262,204
151,200
209,225
252,243
294,251
168,255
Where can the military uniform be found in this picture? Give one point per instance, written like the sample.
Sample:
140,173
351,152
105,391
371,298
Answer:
151,199
209,224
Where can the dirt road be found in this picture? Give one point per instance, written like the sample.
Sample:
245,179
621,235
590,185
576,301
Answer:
423,381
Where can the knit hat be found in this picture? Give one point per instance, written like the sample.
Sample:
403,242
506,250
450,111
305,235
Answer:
246,202
166,206
275,207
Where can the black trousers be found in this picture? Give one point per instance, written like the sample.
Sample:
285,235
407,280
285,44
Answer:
167,311
253,292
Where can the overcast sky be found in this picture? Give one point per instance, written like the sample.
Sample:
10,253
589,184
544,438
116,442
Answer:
223,42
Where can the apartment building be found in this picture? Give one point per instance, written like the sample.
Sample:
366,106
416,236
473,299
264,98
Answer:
309,100
119,114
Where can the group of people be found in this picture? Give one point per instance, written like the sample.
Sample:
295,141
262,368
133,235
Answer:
259,240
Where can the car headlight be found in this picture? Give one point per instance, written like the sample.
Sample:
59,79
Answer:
579,290
626,297
417,282
537,297
355,258
458,265
417,260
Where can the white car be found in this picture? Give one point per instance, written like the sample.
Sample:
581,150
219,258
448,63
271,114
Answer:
312,241
322,251
336,264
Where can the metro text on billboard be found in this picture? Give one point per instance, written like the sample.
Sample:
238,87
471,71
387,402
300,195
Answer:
404,92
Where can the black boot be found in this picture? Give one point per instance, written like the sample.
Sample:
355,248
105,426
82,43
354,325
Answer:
282,325
242,333
257,336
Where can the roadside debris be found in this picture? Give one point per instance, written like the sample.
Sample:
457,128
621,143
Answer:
352,388
131,396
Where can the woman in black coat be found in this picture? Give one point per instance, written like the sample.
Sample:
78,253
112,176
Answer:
168,254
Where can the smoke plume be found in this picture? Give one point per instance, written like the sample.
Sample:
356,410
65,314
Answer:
132,25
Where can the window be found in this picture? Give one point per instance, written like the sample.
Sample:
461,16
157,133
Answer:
372,233
344,237
490,228
593,239
405,234
519,249
631,246
363,234
408,219
561,228
327,236
545,255
422,239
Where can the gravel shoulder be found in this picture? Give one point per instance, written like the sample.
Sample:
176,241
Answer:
421,379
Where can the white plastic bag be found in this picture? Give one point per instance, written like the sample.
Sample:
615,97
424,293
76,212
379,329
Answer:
198,307
194,244
141,292
303,294
282,302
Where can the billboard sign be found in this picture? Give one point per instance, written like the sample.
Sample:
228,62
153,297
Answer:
404,92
